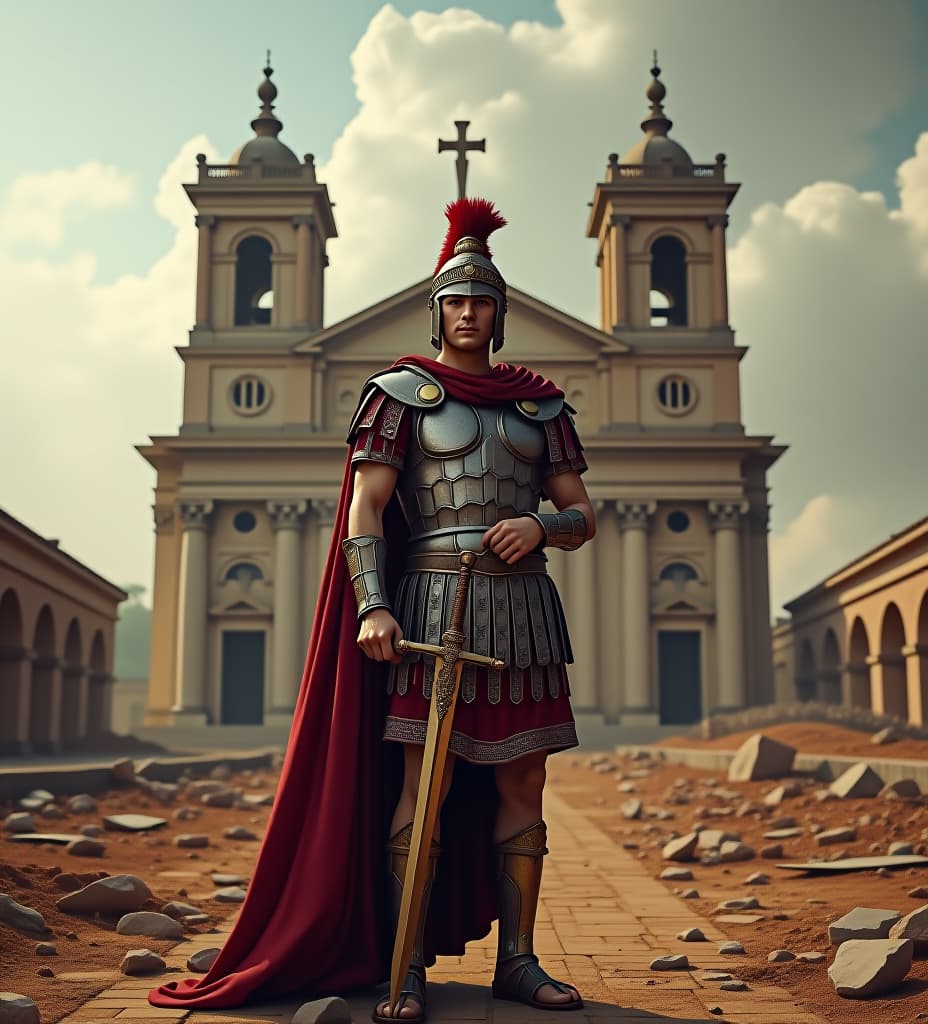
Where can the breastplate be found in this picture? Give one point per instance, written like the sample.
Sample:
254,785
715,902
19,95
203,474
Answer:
469,466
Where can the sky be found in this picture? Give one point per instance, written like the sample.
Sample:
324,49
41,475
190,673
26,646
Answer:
821,109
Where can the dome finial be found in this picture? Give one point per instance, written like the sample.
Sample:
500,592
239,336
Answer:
266,123
657,122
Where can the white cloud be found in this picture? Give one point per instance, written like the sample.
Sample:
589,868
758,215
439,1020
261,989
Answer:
38,205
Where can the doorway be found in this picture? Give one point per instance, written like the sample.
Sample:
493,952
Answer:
679,676
242,677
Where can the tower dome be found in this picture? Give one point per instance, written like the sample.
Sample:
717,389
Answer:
656,146
265,146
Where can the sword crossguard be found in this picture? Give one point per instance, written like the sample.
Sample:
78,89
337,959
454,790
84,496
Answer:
410,647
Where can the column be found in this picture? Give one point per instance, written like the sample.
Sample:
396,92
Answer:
192,611
718,223
729,625
15,681
636,608
326,509
99,702
619,256
302,285
916,677
287,517
610,675
205,225
855,684
75,697
581,622
45,704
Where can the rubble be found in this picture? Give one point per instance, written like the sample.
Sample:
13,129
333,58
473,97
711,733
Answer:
860,780
862,923
760,757
869,967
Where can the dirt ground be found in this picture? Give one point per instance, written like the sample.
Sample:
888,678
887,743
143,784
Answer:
794,914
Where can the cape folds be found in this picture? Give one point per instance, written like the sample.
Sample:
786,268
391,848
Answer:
474,218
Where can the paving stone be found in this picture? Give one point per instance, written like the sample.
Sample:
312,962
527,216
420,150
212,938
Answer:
869,967
761,757
671,962
17,1009
860,780
715,976
23,919
150,924
141,961
115,894
862,923
332,1010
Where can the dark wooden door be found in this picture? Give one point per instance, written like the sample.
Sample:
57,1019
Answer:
242,677
678,658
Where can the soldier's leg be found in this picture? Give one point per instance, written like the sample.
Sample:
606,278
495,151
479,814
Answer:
411,1004
520,837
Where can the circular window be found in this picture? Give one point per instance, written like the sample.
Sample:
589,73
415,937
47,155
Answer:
244,522
678,521
676,394
250,395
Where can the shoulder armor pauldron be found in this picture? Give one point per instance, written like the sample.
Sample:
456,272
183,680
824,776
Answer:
407,384
540,410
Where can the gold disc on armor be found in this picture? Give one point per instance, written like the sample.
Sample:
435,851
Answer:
529,408
428,393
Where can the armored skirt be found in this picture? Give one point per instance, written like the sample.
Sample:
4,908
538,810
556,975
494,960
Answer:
460,471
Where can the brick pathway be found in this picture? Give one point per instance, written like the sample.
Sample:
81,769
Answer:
601,921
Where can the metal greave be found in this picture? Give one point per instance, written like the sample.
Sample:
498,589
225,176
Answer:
519,867
398,858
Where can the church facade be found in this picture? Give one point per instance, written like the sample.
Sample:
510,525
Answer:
668,607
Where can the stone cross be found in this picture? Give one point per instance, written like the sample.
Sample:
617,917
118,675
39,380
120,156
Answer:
461,145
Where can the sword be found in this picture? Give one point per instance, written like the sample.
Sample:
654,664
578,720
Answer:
449,661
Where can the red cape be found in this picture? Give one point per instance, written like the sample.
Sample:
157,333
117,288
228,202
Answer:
316,919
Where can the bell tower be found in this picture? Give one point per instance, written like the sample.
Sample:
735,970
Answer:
660,221
263,223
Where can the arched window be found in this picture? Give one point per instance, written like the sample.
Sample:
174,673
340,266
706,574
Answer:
244,573
668,283
254,299
679,573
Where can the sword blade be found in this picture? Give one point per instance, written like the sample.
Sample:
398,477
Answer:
428,804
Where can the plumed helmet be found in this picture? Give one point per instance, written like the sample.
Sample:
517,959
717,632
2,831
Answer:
464,266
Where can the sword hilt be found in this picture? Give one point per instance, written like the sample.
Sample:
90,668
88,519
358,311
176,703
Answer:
459,608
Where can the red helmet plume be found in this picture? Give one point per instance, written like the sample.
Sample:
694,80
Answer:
474,218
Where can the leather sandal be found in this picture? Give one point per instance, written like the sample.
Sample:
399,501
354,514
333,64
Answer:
414,985
520,977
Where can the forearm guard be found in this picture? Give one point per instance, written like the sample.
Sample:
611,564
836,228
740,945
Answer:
566,530
367,560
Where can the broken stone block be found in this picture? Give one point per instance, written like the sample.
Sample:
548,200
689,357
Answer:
689,894
132,822
224,798
204,786
776,796
149,924
682,848
672,962
331,1010
860,780
732,851
870,967
17,1009
862,923
192,841
141,961
712,838
835,835
913,926
735,985
202,960
760,757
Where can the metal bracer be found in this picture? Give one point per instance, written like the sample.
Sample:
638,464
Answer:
367,562
568,529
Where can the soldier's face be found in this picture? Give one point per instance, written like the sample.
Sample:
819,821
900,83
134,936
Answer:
467,320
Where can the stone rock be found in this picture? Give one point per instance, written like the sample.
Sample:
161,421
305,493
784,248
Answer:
203,959
221,772
186,813
682,848
732,949
735,985
869,967
784,821
626,787
692,935
672,962
811,957
17,1009
776,796
760,757
677,875
117,894
67,882
179,910
716,976
862,923
712,838
790,832
19,821
747,808
887,735
920,892
86,847
91,831
239,832
774,851
604,768
45,972
232,894
150,924
913,926
780,956
192,841
195,919
631,808
757,878
123,771
83,803
824,794
835,835
331,1010
223,798
257,799
218,879
860,780
732,851
46,949
22,919
904,789
52,811
747,903
132,822
141,961
900,849
203,786
689,894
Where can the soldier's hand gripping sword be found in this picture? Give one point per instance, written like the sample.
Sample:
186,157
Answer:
449,660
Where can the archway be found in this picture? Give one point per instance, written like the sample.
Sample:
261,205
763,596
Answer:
73,686
892,664
921,653
857,667
44,698
98,696
805,677
831,669
14,678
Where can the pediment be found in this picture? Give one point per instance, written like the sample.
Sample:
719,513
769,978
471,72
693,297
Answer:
535,332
